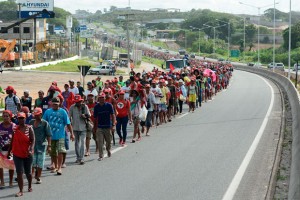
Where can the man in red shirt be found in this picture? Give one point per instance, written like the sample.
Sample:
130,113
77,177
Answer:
90,104
123,115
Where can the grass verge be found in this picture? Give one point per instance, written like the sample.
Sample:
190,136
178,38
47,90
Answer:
154,61
68,66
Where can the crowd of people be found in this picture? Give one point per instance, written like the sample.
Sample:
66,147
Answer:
32,128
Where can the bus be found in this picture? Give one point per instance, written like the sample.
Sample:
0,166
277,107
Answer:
177,63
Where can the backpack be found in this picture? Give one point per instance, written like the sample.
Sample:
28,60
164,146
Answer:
14,98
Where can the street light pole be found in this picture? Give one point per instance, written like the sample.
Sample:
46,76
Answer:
228,39
20,39
258,25
274,38
214,27
244,37
290,39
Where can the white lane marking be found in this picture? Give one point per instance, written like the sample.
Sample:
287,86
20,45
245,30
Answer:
183,115
115,150
231,190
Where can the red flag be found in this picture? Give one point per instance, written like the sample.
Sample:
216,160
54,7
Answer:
172,68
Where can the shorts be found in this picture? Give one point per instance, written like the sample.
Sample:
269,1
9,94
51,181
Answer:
58,146
23,165
39,159
192,98
89,134
162,107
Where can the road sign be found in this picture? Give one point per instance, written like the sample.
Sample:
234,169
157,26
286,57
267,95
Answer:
83,69
235,53
83,28
77,29
87,33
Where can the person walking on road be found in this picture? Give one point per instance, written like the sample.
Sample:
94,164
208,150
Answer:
192,94
79,113
123,115
104,116
6,131
135,108
58,118
91,105
12,102
43,135
22,146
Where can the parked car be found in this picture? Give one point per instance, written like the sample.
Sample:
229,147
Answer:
251,64
166,51
295,65
101,69
193,55
279,66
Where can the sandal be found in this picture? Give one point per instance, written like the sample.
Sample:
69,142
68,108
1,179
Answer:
29,189
59,172
19,194
53,170
50,168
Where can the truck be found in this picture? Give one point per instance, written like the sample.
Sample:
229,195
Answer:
178,64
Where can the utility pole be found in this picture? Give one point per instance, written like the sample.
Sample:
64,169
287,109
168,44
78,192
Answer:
20,40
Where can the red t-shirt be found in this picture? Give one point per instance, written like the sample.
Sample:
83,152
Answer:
122,108
91,109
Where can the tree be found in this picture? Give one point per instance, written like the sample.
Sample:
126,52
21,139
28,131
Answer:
60,18
8,11
295,36
250,32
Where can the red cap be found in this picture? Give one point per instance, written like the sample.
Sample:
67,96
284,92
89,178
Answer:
162,80
121,92
10,88
77,98
106,90
8,112
101,95
25,109
21,115
37,111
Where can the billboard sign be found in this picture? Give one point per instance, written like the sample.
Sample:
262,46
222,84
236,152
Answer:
89,33
31,7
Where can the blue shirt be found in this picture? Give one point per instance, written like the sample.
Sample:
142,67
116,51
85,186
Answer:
57,120
103,113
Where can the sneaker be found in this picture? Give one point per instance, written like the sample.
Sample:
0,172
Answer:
59,172
38,181
123,144
64,166
53,171
100,158
82,162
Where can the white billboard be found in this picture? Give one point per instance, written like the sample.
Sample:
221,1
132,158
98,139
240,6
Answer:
36,5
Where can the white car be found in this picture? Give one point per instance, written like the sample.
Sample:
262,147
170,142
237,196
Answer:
101,69
279,66
295,65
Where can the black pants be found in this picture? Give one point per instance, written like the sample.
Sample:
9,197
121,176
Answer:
180,106
23,165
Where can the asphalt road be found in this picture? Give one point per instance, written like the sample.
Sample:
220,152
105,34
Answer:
195,156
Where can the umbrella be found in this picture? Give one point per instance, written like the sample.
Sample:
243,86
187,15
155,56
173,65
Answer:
207,73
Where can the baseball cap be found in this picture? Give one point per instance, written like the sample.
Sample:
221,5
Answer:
37,111
121,92
90,94
21,115
101,95
77,98
10,88
55,100
89,83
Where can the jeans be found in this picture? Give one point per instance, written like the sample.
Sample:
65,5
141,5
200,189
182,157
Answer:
199,97
122,123
79,144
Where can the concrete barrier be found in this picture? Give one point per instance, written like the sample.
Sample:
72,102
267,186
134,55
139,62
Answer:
287,86
34,66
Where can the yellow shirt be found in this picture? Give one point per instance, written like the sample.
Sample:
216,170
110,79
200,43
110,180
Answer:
164,92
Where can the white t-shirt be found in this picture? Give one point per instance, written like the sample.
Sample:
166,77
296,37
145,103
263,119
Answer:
74,90
157,93
126,90
94,92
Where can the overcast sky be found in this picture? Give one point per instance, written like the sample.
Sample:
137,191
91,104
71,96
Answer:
228,6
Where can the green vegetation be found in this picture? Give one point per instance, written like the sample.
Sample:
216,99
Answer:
159,44
70,66
154,61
